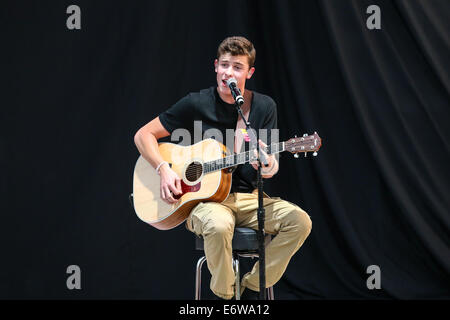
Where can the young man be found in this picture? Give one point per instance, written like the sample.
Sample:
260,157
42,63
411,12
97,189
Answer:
215,222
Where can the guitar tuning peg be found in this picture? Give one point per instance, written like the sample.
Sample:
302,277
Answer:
315,154
306,153
296,155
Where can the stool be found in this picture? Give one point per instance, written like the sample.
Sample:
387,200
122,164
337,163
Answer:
244,244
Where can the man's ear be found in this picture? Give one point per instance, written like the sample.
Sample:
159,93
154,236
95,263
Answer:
215,65
250,72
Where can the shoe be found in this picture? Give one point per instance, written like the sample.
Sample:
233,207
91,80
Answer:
249,294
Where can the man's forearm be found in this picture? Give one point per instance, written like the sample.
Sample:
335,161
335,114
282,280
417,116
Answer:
147,144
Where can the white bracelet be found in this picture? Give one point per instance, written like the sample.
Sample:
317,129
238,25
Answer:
159,165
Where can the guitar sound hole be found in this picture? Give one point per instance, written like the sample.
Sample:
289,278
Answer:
194,171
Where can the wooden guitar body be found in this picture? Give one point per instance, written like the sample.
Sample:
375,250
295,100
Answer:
197,187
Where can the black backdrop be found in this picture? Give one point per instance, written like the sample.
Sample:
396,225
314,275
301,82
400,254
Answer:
71,101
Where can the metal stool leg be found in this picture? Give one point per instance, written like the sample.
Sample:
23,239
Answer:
270,295
198,278
237,287
269,291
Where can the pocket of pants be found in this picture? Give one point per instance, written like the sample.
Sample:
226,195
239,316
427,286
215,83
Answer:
190,221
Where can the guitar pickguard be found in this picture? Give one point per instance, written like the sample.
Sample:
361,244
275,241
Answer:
185,189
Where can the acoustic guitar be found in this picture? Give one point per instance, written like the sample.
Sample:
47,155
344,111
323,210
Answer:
205,169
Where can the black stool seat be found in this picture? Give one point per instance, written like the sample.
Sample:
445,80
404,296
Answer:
244,239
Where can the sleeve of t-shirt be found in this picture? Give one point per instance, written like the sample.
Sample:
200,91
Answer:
180,115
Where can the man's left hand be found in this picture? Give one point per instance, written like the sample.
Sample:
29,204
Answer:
272,167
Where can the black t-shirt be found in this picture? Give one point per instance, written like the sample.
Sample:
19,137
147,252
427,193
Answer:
208,111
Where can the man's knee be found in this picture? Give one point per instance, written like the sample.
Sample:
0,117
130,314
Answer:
218,227
299,220
214,221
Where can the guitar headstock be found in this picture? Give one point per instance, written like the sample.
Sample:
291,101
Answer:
307,143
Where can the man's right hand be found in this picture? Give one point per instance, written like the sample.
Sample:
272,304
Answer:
170,184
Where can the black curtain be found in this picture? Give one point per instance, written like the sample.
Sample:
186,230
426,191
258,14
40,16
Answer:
72,100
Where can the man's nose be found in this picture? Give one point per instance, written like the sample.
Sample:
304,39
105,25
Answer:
229,72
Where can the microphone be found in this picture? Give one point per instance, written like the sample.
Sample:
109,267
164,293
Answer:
236,93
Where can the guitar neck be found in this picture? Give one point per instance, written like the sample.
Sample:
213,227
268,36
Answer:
240,158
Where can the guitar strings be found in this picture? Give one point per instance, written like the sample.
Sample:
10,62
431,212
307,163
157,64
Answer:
195,171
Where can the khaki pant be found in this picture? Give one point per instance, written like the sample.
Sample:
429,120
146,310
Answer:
215,222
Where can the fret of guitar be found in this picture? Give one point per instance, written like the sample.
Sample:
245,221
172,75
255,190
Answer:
221,163
239,158
275,148
206,167
229,161
212,166
242,158
218,164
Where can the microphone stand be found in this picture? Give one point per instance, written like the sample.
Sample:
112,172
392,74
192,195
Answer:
261,159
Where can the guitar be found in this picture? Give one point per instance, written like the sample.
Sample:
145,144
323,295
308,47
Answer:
205,172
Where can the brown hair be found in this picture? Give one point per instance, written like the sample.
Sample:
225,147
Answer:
238,46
